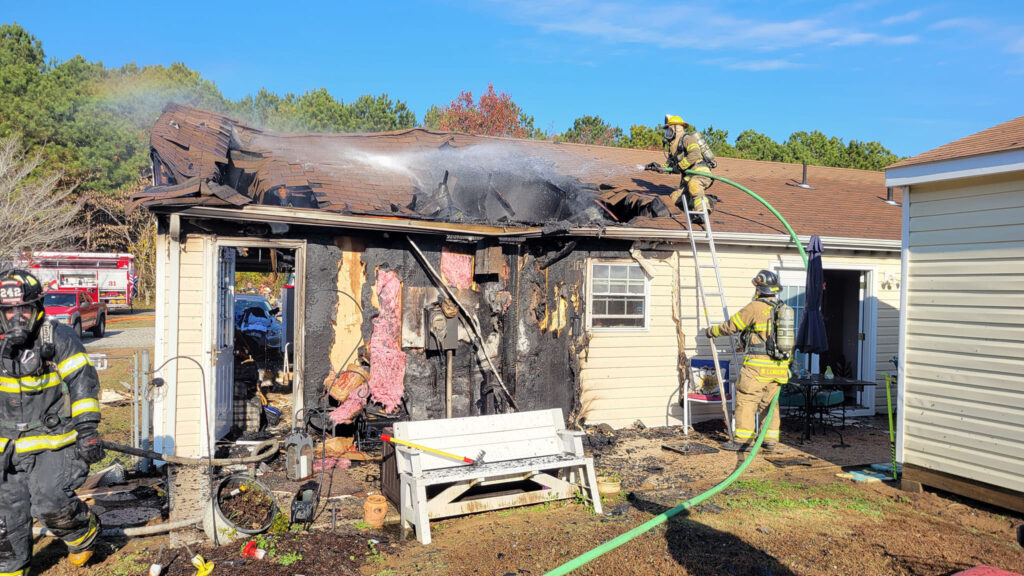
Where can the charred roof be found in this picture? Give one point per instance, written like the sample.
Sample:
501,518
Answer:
208,159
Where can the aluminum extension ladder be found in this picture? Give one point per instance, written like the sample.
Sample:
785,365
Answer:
703,294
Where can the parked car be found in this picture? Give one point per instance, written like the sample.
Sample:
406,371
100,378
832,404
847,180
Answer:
77,309
256,318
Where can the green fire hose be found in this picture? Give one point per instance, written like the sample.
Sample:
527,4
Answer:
664,516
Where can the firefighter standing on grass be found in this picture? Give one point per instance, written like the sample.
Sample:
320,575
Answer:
687,151
49,413
760,376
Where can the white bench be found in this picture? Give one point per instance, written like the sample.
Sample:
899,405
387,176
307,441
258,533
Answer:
524,446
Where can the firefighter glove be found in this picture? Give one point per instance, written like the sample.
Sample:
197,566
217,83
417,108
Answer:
654,167
709,332
89,443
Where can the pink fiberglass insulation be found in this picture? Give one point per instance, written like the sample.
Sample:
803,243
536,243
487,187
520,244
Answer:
457,268
387,361
328,463
351,406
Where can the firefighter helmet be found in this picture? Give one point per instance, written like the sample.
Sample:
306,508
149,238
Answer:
766,283
675,121
21,305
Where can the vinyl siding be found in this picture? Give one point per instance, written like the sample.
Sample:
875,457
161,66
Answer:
964,399
190,343
631,375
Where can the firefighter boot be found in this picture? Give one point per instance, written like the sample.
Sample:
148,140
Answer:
734,446
79,558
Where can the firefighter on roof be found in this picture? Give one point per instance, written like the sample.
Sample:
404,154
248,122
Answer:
687,150
49,412
761,375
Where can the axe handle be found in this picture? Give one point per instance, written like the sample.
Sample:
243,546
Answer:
393,440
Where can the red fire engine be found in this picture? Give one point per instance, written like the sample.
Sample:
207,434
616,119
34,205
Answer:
109,278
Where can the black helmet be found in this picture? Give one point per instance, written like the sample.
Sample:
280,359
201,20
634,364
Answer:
21,305
766,283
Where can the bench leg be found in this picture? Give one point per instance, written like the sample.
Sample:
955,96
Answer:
422,514
595,497
405,505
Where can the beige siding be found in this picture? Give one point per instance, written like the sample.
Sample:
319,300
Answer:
631,375
964,400
191,282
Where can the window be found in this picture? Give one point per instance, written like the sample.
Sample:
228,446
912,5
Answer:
618,296
794,296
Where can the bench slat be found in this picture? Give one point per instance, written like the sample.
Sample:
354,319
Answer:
479,424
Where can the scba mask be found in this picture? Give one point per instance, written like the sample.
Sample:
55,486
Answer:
21,308
19,322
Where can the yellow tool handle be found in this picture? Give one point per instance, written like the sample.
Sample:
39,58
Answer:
393,440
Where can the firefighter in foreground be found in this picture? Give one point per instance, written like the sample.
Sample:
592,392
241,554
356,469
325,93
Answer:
765,327
48,418
687,150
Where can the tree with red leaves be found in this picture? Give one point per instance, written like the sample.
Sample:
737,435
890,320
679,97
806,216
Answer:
495,114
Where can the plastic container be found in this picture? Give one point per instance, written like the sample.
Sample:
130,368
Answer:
273,415
608,487
222,530
374,510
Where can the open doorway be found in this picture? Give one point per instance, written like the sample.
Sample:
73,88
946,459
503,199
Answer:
847,323
256,335
849,311
264,333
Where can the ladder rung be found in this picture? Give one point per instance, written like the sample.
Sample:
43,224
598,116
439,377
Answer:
712,293
706,266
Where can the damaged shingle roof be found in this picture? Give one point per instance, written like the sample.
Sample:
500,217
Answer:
201,157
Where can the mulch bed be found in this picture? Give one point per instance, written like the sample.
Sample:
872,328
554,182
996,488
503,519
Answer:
305,554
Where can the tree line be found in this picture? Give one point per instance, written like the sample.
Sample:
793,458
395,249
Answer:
83,128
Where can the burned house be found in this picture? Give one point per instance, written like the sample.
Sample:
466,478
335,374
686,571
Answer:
443,274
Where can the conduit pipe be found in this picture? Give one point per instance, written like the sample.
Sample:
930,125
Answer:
470,319
38,531
664,516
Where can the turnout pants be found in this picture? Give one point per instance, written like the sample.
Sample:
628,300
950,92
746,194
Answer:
42,485
760,379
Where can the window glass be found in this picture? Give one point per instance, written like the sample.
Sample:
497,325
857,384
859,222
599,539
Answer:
618,296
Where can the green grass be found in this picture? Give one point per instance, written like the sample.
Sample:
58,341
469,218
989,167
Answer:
127,565
768,496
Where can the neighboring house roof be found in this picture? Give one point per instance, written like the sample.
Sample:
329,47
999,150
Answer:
204,158
1002,138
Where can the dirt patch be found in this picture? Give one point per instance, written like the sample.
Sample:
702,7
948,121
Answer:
788,514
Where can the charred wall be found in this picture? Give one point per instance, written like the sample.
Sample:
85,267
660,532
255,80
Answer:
528,297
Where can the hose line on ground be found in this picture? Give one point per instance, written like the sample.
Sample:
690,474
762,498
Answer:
261,452
664,516
131,532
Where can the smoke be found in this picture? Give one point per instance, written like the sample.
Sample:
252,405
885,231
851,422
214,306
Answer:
502,181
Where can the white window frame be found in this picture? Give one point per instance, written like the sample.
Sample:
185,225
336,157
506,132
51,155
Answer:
590,295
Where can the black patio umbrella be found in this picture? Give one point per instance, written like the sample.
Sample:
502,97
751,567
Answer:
810,336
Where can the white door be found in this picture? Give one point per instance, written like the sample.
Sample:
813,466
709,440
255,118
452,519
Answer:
224,344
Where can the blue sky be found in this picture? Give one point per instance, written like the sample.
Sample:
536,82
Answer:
911,75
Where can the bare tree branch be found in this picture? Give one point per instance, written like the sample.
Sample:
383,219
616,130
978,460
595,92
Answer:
34,213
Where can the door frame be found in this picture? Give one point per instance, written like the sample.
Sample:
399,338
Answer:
868,321
211,257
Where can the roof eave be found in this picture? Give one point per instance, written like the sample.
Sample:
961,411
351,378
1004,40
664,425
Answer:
967,167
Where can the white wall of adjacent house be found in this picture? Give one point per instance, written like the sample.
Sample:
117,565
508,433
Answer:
630,374
963,401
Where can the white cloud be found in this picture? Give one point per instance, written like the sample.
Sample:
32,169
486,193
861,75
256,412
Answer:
763,65
960,23
902,18
700,26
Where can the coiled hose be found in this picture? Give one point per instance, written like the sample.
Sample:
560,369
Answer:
664,516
